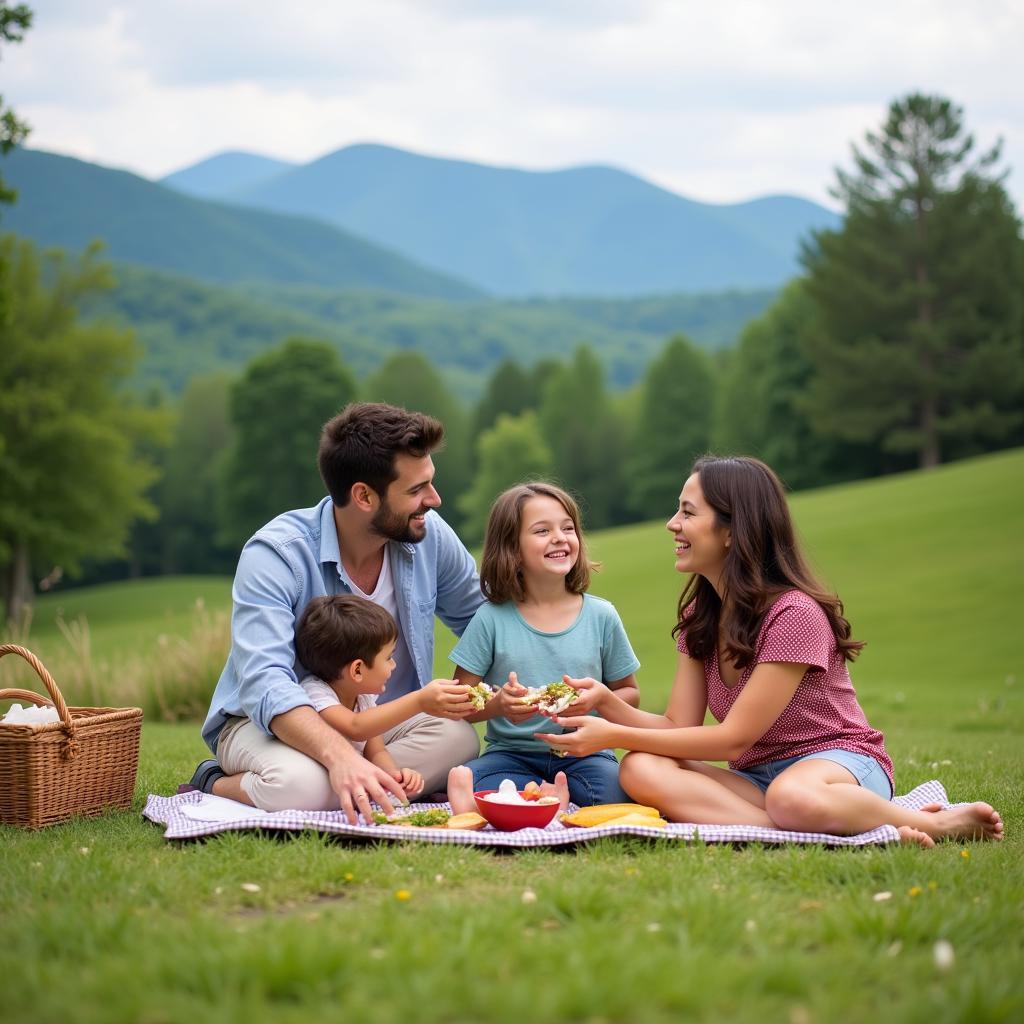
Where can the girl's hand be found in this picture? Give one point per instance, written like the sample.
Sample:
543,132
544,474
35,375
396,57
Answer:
589,735
508,704
410,780
444,698
591,695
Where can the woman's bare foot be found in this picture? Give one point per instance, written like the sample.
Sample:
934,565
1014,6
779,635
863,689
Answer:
966,821
460,789
915,835
559,788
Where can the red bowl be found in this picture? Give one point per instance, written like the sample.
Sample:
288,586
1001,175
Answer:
509,817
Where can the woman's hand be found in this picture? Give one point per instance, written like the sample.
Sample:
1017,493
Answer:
591,695
590,734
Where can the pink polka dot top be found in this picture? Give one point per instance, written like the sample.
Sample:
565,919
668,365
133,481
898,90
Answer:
824,713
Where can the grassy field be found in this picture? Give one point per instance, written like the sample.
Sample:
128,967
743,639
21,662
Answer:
104,921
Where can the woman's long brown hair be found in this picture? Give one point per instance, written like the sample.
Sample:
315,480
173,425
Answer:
763,561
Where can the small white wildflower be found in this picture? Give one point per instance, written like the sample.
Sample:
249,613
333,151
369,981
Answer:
751,926
653,926
944,955
946,762
250,887
84,851
895,949
881,897
439,878
529,896
218,890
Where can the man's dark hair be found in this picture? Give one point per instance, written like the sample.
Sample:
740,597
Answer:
334,631
359,445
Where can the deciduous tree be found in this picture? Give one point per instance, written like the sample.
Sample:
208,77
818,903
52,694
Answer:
510,452
674,427
277,409
72,476
14,23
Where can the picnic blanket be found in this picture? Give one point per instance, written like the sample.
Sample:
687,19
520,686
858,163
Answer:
191,815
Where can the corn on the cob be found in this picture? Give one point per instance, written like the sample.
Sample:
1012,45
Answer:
638,819
601,814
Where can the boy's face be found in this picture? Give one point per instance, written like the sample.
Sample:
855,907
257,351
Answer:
372,678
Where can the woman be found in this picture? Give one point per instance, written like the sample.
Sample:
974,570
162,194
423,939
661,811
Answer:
764,646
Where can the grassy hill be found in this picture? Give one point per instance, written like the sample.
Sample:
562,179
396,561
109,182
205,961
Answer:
584,230
103,921
69,203
928,565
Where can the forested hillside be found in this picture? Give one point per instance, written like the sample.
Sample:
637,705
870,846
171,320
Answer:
187,327
70,203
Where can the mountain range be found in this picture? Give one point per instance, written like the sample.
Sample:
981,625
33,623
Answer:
581,231
67,202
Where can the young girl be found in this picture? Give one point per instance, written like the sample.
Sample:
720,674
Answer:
538,626
764,646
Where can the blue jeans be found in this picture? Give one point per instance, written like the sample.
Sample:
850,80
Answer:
593,779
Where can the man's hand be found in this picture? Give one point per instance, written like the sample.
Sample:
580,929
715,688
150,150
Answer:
445,698
590,734
357,782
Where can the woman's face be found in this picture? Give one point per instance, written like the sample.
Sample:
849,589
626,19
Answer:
701,543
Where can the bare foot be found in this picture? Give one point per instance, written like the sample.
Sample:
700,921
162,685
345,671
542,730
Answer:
967,821
559,788
915,835
460,789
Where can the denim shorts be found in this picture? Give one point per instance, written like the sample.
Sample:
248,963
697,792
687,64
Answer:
866,770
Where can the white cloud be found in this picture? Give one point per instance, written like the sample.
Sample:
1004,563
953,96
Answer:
719,102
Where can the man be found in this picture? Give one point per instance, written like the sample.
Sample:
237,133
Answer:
376,535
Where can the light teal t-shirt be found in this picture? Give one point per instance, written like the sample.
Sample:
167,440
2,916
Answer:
499,640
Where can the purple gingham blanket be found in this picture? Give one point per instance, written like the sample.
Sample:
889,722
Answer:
183,816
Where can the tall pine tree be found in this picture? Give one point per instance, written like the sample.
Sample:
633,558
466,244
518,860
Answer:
919,349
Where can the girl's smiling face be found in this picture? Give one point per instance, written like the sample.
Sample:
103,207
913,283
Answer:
548,542
701,542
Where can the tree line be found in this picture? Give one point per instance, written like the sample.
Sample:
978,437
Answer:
900,346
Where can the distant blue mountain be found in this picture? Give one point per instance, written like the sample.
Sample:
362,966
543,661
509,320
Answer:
582,231
221,174
69,203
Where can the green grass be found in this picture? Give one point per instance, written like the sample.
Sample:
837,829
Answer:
138,929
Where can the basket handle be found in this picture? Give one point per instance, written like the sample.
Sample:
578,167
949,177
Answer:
56,696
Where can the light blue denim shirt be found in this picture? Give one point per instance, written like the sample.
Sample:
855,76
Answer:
295,557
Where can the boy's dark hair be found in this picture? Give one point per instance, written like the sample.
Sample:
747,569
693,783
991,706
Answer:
359,445
334,631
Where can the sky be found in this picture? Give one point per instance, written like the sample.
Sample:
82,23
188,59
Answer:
718,102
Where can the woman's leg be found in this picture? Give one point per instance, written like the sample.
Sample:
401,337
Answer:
693,791
816,795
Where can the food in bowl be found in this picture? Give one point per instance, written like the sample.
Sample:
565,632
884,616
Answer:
507,809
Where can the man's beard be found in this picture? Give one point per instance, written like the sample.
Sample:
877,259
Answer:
386,523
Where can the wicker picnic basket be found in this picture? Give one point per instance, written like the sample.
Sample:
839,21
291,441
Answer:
80,765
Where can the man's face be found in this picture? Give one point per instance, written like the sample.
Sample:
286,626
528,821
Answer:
404,506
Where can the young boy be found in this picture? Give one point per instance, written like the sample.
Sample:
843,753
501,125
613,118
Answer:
346,643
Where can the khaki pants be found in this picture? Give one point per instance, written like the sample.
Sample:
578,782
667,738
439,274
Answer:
280,778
